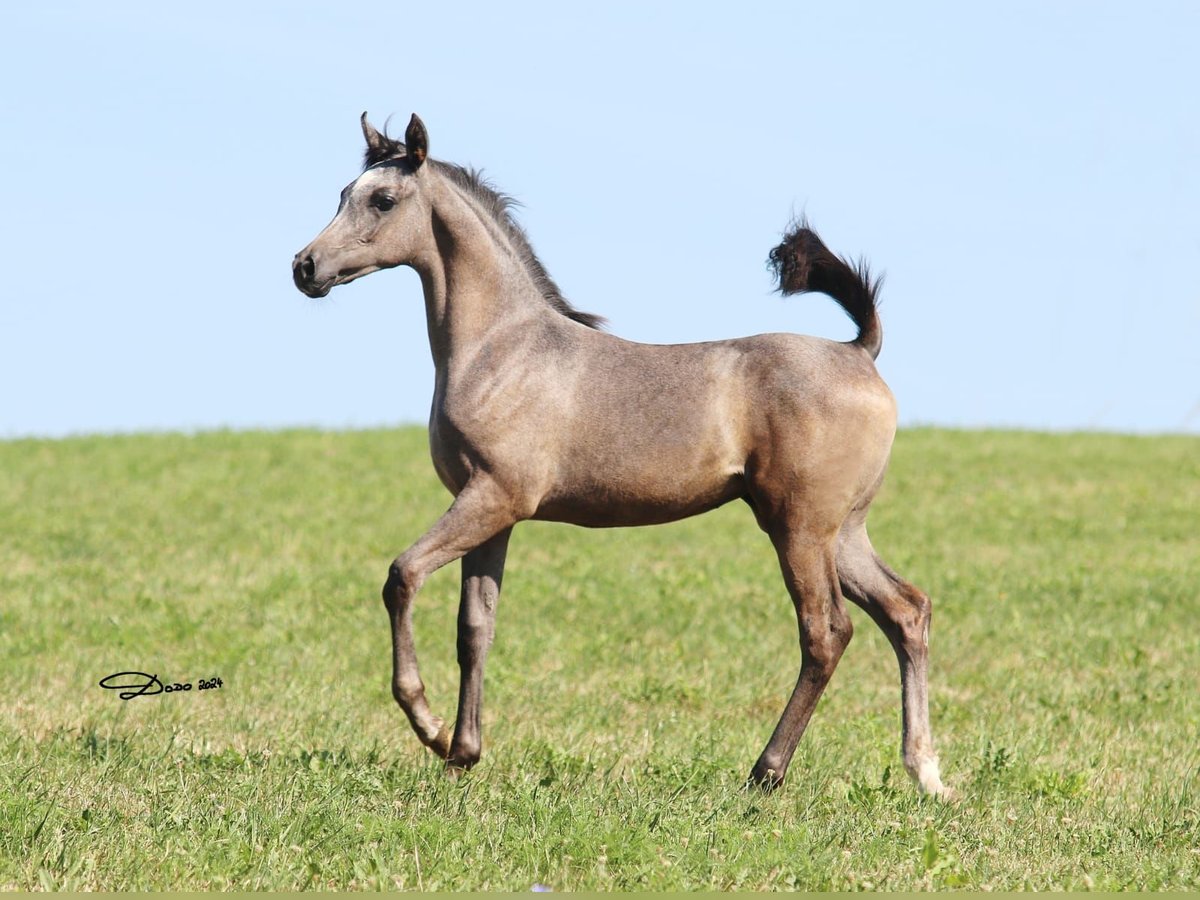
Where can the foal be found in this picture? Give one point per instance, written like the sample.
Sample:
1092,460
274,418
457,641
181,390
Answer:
538,414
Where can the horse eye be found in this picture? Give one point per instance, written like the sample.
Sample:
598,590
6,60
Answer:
382,202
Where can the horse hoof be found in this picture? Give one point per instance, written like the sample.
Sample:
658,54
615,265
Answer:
929,780
441,742
943,794
766,780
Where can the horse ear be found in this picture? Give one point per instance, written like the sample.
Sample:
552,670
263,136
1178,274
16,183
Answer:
417,141
376,142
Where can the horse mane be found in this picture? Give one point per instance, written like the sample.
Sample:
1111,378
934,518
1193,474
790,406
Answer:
499,206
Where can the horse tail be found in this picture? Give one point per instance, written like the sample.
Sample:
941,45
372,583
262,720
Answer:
803,263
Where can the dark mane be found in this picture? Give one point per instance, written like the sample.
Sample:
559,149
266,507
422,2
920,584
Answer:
498,205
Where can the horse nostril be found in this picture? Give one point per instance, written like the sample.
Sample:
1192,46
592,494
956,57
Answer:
304,270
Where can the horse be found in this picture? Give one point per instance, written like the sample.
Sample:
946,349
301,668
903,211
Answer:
539,413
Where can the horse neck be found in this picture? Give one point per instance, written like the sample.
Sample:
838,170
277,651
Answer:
475,283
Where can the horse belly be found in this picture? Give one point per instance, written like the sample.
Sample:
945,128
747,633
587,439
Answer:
642,489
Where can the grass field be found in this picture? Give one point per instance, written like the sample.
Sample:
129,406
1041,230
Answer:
636,676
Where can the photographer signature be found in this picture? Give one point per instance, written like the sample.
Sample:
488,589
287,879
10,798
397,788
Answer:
139,684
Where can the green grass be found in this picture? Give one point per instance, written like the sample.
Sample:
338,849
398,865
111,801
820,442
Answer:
636,676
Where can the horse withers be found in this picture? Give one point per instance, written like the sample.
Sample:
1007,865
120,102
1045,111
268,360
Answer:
540,414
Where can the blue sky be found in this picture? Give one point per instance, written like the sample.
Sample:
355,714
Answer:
1027,174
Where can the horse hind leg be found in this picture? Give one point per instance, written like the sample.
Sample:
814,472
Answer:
903,613
809,569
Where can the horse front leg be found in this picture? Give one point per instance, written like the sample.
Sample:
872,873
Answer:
482,574
479,513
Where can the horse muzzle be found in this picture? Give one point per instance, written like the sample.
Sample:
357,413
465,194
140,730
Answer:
304,274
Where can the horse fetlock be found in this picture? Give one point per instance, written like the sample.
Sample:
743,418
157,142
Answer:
408,691
463,754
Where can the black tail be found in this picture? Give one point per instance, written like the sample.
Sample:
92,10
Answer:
803,263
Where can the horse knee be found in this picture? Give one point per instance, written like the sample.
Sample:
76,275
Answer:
402,582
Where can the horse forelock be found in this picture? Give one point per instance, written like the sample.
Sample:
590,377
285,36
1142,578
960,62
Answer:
389,150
